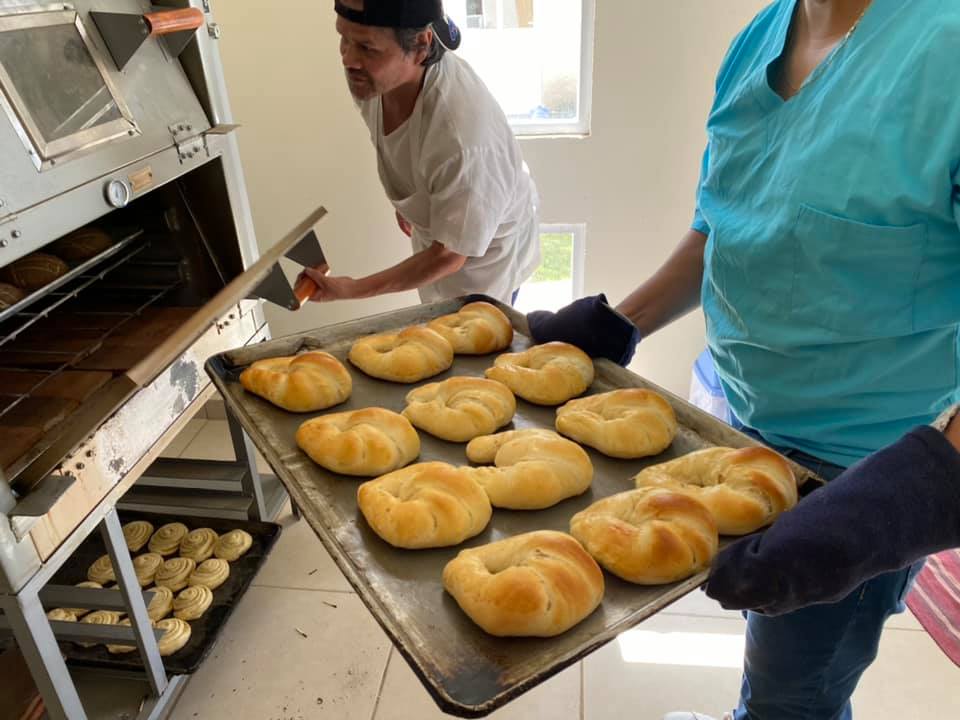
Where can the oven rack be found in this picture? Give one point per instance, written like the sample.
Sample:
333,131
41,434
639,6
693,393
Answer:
81,271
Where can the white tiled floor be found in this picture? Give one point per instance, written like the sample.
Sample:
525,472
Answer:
264,669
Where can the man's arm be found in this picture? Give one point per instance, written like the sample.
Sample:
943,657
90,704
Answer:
672,291
423,268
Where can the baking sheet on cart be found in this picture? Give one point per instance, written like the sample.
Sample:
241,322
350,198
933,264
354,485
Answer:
468,672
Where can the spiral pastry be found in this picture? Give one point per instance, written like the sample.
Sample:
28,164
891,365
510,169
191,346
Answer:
193,602
102,570
198,544
137,534
99,617
61,615
166,540
174,573
146,566
121,649
176,635
161,604
233,545
210,573
80,612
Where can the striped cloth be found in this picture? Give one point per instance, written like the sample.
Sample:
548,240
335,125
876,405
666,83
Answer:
935,601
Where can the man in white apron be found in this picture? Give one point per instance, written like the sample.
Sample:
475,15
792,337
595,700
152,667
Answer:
446,155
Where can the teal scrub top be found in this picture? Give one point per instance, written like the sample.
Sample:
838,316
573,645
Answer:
831,287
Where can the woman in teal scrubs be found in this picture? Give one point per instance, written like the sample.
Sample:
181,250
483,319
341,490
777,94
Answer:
825,251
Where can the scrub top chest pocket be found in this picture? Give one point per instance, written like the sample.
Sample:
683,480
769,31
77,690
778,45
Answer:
854,278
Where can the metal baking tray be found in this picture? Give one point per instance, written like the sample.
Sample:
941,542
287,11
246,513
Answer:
203,630
468,673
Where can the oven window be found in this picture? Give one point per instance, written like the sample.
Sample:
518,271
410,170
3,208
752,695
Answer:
55,88
57,80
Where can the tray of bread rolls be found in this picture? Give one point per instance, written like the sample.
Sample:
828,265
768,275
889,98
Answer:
198,569
502,509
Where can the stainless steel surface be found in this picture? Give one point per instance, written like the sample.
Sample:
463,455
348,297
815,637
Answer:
45,152
468,672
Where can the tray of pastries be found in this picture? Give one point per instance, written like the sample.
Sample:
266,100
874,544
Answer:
198,569
502,508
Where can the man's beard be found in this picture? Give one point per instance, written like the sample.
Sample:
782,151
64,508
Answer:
360,84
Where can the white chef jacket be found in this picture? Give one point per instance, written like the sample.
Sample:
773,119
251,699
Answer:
455,172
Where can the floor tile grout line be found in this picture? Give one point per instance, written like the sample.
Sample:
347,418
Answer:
383,682
287,587
583,694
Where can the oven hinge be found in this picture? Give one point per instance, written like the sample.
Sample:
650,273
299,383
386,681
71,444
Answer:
38,502
190,143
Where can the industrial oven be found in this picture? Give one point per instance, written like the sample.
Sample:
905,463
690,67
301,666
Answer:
127,257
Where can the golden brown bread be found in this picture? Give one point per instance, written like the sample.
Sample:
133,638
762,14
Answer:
81,244
101,571
166,540
479,328
302,383
539,584
630,423
34,271
548,374
367,442
408,356
744,489
10,295
161,604
211,573
460,408
174,573
650,536
176,634
99,617
192,602
425,506
146,566
535,468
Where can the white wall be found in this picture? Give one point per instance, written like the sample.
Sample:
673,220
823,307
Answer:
632,182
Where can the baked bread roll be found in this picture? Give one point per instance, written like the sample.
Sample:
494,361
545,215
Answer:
146,566
548,374
460,408
161,604
233,545
61,615
81,244
479,328
538,584
192,602
425,506
198,544
651,536
174,573
176,634
166,540
34,271
101,571
367,442
302,383
121,649
534,468
408,356
10,295
744,489
80,612
210,573
137,534
631,423
99,617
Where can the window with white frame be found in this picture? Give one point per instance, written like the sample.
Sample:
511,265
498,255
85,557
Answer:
559,279
536,56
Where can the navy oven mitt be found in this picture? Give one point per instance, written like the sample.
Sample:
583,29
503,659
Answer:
590,324
882,514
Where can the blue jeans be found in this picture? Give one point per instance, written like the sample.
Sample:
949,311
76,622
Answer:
806,664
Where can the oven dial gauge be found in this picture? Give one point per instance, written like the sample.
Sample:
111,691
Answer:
118,193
